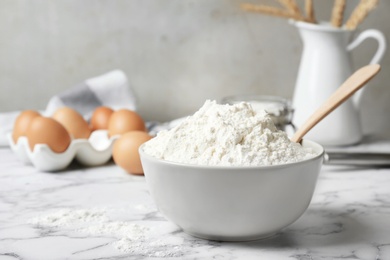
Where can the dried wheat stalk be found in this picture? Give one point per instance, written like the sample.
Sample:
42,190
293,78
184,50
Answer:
338,13
292,6
291,10
309,11
360,13
270,10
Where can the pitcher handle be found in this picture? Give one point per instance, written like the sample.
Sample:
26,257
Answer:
375,34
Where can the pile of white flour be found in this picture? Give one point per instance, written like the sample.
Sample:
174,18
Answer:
226,135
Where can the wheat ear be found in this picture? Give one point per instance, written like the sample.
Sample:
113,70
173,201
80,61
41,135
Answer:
270,10
360,13
292,6
309,11
338,13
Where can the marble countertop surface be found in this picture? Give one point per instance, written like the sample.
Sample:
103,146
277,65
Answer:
348,218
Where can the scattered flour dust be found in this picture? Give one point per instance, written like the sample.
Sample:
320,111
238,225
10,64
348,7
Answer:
131,237
227,135
68,217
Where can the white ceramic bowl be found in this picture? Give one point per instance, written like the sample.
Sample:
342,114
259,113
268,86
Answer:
232,203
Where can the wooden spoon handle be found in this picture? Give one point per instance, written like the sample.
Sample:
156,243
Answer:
350,86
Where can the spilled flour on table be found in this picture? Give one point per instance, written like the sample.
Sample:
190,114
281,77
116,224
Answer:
67,217
131,237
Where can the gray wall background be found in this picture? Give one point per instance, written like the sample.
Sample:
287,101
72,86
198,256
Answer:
176,53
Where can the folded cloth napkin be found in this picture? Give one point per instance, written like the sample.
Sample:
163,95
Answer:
111,89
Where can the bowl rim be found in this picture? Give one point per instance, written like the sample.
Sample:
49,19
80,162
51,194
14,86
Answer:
225,167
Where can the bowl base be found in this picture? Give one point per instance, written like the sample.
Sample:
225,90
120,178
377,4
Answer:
231,238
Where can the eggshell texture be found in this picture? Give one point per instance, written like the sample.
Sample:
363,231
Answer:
44,130
73,122
22,122
123,121
100,118
125,151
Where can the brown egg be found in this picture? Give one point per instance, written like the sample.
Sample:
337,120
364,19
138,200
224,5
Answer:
123,121
22,122
100,118
73,122
125,151
45,130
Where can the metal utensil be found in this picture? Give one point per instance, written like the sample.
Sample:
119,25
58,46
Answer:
357,158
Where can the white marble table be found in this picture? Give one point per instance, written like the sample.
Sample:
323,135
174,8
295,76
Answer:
349,217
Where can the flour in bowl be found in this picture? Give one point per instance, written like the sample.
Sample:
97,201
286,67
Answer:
226,135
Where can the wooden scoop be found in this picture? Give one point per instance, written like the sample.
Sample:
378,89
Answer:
350,86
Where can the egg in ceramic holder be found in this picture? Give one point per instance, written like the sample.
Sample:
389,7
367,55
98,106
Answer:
94,151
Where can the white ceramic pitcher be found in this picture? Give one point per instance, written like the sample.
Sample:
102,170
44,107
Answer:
325,65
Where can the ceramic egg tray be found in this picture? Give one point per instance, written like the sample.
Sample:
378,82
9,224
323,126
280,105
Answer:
96,150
